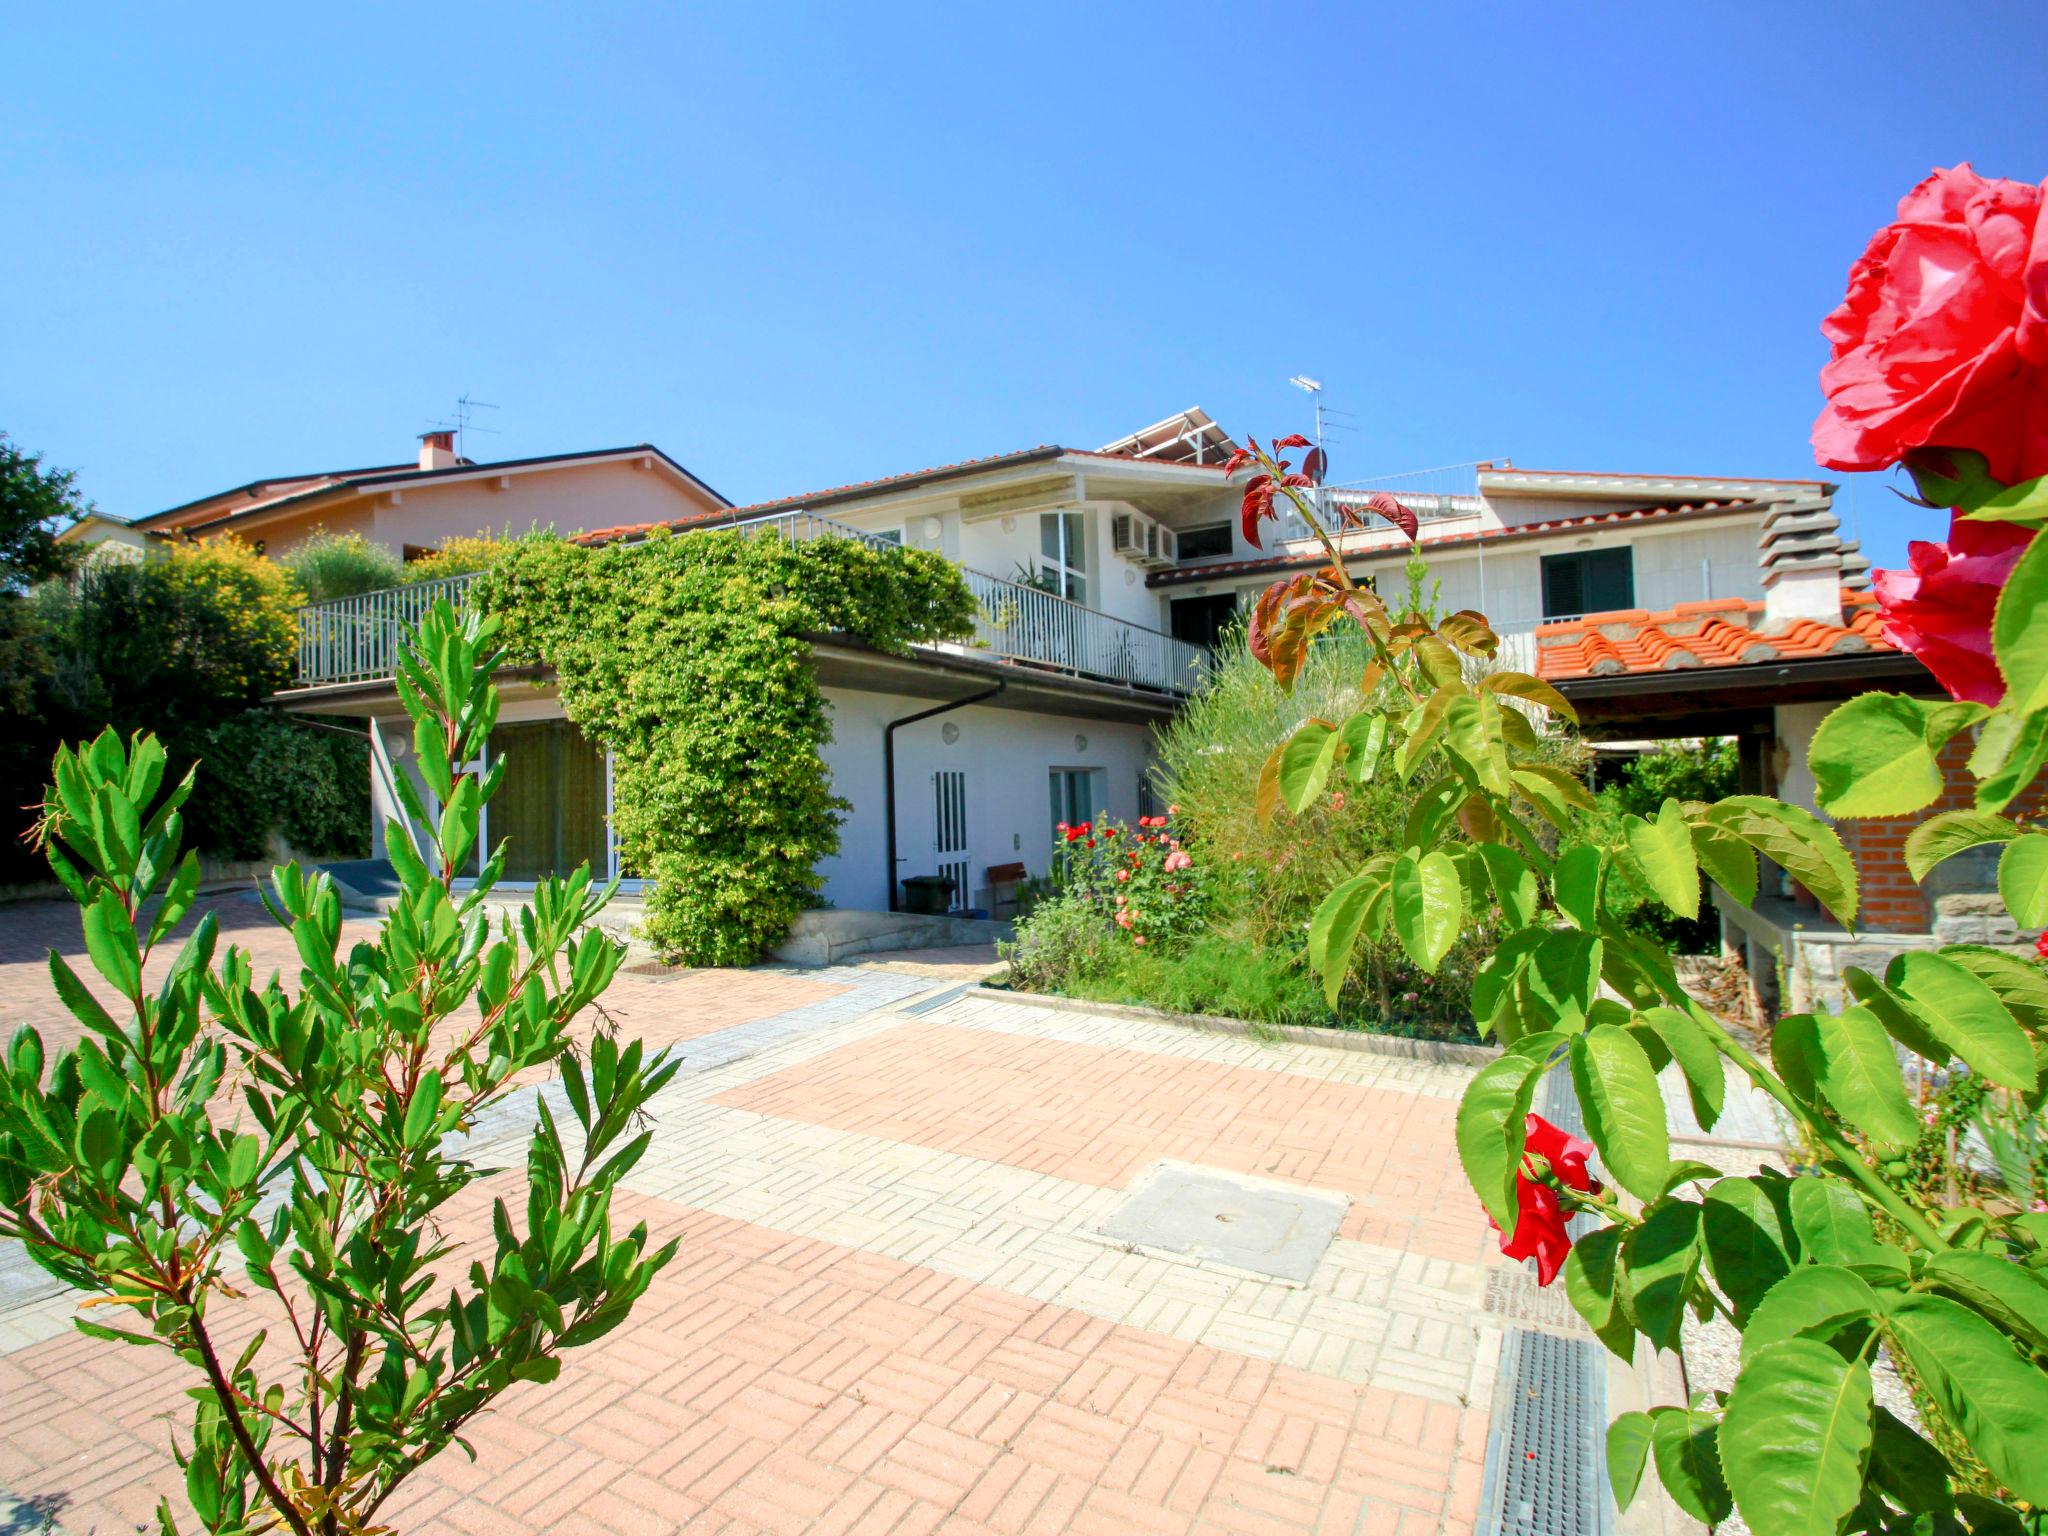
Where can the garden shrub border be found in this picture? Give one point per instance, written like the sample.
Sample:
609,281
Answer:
687,656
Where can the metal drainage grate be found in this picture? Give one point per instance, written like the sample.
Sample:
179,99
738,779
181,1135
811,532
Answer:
1543,1460
656,970
937,999
1512,1292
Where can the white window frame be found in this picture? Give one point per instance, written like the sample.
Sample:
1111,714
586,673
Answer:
1068,564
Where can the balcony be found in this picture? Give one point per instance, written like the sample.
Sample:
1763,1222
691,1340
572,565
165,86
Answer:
355,639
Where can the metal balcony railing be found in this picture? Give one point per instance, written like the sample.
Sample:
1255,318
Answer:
355,639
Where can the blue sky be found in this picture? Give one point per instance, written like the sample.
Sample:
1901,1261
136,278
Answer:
796,246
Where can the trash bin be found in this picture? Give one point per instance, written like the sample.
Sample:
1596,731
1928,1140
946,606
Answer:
928,895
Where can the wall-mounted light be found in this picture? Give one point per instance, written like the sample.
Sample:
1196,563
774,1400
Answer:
1009,525
949,733
931,527
1080,742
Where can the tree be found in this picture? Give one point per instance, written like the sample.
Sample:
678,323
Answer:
32,500
130,1178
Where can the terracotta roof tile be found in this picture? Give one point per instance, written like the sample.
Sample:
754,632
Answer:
1717,632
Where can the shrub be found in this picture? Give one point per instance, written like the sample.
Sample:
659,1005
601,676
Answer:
1153,890
688,656
331,565
467,553
179,645
1212,759
1064,937
263,772
324,1177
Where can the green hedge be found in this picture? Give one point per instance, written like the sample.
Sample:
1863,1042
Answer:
688,656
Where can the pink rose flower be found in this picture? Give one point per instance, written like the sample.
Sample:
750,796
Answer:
1942,341
1940,607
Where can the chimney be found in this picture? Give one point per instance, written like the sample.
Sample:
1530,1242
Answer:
1801,552
437,449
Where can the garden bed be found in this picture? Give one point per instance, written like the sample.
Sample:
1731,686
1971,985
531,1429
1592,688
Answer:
1216,1023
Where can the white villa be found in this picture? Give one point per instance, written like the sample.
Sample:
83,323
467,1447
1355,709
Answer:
1103,576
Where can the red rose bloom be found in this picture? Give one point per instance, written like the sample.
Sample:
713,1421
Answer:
1940,607
2041,944
1943,339
1539,1228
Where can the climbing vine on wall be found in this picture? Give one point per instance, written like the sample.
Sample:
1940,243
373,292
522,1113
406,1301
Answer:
688,656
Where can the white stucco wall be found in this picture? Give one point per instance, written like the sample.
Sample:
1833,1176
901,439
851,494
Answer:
1008,756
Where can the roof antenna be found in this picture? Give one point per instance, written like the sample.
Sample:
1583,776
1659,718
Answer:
465,409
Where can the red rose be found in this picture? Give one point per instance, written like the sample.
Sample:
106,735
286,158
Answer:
1943,338
1539,1228
2041,944
1940,607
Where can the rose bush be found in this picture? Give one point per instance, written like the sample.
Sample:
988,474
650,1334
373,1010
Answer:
1149,886
1818,1268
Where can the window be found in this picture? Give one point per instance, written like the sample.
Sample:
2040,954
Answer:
1212,543
889,535
1063,555
1202,620
1073,796
1588,581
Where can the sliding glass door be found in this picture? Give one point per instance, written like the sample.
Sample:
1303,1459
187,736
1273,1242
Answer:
551,808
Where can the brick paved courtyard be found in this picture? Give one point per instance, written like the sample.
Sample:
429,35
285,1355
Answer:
892,1310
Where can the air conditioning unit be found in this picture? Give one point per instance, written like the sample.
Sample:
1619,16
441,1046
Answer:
1143,542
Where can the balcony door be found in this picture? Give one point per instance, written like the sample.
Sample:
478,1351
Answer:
551,807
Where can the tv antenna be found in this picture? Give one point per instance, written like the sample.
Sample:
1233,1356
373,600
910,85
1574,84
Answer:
463,422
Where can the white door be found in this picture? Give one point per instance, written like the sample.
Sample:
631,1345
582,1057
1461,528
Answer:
949,846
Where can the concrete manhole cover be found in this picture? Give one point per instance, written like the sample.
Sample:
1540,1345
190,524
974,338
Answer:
1270,1229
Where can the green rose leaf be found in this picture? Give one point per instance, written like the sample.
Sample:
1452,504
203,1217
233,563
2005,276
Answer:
1797,840
2010,751
1833,1225
2025,503
1748,1239
1624,1109
1597,1288
2019,632
2020,985
1365,739
1492,1123
1965,1015
2023,880
1950,833
1429,907
1575,884
1906,1468
1689,1463
1333,931
1997,1399
1664,849
1900,1019
1305,763
1628,1452
1792,1442
1728,861
1860,1077
1873,757
1705,1081
1662,1257
1815,1301
2014,1297
1514,883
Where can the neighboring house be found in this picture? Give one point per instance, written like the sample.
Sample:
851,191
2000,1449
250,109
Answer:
104,537
1103,576
1767,671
